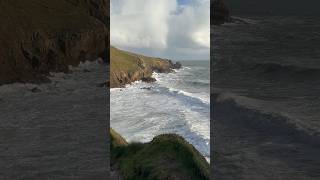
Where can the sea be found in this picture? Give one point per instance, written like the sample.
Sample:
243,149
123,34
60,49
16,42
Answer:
56,130
266,98
177,102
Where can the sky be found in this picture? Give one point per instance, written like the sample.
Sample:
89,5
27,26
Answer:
274,7
173,29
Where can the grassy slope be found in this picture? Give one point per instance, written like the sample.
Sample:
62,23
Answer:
127,61
165,157
127,66
122,61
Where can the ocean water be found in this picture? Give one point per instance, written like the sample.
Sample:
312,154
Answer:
177,102
55,130
266,89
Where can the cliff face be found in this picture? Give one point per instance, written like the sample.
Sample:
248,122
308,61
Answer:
40,36
220,12
96,8
126,67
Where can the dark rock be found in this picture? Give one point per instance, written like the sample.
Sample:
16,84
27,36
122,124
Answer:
148,79
160,69
177,65
86,70
147,88
105,55
43,43
35,90
105,84
220,13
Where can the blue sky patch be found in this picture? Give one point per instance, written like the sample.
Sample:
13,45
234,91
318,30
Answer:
183,2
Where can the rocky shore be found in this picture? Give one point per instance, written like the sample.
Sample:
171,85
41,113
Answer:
127,67
167,156
38,37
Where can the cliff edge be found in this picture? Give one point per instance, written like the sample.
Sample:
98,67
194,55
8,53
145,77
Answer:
127,67
42,36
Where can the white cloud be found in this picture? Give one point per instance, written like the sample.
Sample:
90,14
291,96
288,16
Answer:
162,28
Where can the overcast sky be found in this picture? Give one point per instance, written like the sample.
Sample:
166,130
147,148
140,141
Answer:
274,7
174,29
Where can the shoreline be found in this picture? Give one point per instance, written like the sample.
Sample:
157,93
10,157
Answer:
127,67
138,72
49,43
47,79
174,94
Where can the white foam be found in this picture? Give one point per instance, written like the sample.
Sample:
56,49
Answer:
142,111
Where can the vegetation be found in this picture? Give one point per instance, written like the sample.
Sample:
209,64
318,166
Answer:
123,61
165,157
129,62
42,36
127,67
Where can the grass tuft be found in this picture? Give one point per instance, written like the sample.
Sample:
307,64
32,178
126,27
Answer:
167,156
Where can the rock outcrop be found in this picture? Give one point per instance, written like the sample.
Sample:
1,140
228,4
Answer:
220,13
38,37
127,67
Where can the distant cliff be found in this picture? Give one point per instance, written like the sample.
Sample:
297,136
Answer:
220,13
40,36
127,67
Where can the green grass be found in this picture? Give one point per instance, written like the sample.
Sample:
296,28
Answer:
128,62
127,67
122,61
165,157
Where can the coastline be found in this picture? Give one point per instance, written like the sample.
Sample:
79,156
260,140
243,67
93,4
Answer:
119,167
35,43
127,67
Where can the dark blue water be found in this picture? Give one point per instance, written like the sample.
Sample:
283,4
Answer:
55,130
265,82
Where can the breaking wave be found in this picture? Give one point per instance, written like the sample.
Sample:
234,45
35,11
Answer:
255,114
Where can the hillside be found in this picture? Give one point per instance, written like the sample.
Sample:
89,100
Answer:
40,36
127,67
165,157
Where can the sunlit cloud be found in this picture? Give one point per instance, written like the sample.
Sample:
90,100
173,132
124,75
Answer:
165,28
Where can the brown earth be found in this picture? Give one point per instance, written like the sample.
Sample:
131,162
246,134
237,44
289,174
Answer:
40,36
127,67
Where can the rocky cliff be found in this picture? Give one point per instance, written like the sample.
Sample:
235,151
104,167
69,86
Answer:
220,13
40,36
127,67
